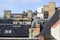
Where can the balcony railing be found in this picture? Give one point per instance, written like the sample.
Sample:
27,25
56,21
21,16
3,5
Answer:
7,38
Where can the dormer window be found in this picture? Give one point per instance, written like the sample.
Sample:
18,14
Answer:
7,31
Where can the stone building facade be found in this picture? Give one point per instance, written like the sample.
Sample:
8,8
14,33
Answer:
50,8
24,18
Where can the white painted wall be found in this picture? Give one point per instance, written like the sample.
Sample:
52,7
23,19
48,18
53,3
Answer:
39,9
55,32
41,15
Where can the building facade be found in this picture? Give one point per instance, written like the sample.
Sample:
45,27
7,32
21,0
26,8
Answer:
31,24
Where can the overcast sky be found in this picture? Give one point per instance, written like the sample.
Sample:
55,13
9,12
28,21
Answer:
17,6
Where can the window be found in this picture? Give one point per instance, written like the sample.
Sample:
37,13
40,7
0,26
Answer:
0,31
17,26
14,22
7,31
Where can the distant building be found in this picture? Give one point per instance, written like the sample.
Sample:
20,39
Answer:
22,18
15,25
50,8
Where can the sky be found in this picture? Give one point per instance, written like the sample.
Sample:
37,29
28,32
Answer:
17,6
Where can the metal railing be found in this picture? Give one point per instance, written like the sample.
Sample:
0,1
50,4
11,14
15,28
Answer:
12,38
